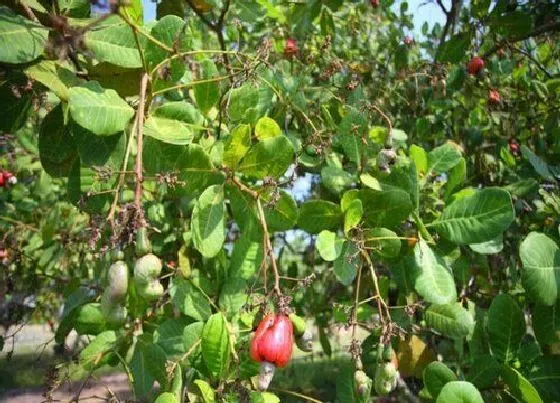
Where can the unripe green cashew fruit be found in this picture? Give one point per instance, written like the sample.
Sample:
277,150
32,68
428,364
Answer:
299,324
117,254
386,377
90,319
146,272
362,383
305,341
117,280
143,245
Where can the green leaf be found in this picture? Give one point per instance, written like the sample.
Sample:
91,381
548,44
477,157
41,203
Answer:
506,327
92,356
520,387
456,178
459,392
382,242
191,337
516,23
329,245
207,94
318,215
208,221
477,218
387,208
233,295
192,163
21,40
267,128
432,279
155,361
205,391
53,76
346,265
450,320
545,376
143,380
349,132
263,397
490,247
540,256
484,371
113,42
546,323
443,158
74,8
237,145
353,215
182,111
215,345
57,149
169,335
167,397
100,111
171,31
169,131
189,300
420,158
336,179
281,214
246,257
99,151
455,48
436,375
241,100
269,157
15,109
538,164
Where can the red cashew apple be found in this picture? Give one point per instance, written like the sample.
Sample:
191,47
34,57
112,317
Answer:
7,178
291,47
374,3
514,147
476,64
494,97
272,345
408,40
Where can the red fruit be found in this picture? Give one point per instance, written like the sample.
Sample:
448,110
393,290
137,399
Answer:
475,65
291,48
494,97
374,3
408,40
8,178
514,147
273,340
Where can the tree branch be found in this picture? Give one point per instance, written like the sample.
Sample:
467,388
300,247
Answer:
552,27
216,27
139,148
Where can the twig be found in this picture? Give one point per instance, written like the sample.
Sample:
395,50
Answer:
389,140
111,215
380,302
268,248
139,148
356,304
193,83
269,251
28,11
296,394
